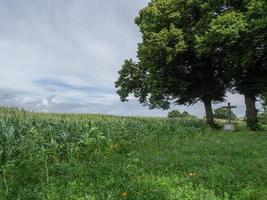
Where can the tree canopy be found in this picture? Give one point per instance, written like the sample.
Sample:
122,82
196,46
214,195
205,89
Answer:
195,51
169,69
237,37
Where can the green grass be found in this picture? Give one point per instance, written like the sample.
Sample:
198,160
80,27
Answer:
65,156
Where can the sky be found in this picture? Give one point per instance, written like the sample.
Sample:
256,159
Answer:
64,56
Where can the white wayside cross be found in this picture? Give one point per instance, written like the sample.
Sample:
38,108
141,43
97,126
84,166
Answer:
229,126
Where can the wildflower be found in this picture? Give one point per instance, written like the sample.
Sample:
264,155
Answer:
192,174
125,194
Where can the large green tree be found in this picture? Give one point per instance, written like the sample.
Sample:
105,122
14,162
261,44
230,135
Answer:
168,69
238,38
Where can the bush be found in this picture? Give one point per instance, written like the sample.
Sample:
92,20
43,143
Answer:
263,118
178,114
222,113
265,103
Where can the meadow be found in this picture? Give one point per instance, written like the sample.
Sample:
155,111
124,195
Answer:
96,157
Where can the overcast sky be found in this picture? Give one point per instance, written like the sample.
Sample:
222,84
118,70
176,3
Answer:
64,56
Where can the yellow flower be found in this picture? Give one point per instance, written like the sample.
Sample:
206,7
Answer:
192,174
125,194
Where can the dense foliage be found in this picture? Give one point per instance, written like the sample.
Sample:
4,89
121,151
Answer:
263,118
169,68
223,113
263,115
237,37
194,50
265,103
177,114
65,156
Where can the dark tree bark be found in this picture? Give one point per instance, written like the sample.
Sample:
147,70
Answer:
209,113
252,119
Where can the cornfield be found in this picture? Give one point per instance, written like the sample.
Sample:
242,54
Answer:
71,156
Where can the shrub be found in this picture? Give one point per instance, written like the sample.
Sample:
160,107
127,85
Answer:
178,114
222,113
263,118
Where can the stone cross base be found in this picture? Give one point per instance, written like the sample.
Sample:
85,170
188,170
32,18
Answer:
229,127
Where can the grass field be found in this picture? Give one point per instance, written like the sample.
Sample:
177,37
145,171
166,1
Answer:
64,156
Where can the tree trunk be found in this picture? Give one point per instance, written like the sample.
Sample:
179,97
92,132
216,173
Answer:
252,119
209,113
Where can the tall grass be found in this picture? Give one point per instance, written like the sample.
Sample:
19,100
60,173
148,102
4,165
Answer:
67,156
